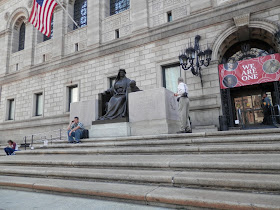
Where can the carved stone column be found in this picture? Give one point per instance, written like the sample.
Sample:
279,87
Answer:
58,32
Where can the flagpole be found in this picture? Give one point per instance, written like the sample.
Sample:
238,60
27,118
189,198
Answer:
67,13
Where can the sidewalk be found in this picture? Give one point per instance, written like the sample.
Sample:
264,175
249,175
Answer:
13,199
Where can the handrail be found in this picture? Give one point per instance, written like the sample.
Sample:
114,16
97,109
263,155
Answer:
240,118
53,135
274,116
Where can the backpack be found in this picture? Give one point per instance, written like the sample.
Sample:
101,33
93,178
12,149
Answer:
85,134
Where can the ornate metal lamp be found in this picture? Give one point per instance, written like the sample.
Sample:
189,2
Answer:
194,58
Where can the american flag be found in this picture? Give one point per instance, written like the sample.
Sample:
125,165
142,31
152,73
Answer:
41,15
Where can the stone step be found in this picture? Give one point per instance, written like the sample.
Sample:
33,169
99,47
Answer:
250,163
157,142
255,132
219,134
151,195
170,149
237,181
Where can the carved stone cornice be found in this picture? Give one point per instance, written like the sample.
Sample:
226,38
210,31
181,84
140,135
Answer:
242,20
5,32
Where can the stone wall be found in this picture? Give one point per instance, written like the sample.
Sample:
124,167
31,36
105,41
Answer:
77,37
43,49
121,22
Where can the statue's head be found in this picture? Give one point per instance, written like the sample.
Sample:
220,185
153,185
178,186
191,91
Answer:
121,74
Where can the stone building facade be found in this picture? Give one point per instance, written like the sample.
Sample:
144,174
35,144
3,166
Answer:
145,39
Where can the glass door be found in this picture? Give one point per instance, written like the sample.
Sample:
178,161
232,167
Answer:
251,108
248,110
257,106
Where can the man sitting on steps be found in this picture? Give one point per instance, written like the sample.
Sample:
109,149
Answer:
75,129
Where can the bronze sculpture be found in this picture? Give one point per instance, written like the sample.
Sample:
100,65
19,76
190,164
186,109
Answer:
117,105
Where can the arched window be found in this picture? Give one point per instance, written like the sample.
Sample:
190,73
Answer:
51,36
80,13
21,37
117,6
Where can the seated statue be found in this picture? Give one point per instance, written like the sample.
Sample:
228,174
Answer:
117,105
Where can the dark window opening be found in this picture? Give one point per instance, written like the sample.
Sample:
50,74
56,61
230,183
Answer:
169,16
11,111
21,37
112,81
117,33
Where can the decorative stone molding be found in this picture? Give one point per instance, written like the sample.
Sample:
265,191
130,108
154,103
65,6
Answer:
21,12
219,2
7,31
266,25
30,4
7,15
242,20
71,2
219,41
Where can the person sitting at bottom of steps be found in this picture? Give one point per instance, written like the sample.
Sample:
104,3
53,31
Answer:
10,150
75,129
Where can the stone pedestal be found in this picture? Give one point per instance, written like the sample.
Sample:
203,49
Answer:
153,112
85,110
110,130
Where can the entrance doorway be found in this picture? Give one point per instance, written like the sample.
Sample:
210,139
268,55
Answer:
247,103
244,103
250,109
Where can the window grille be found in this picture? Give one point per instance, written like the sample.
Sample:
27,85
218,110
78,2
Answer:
80,13
117,6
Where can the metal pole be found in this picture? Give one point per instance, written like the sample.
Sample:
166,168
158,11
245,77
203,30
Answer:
59,134
25,143
32,140
67,13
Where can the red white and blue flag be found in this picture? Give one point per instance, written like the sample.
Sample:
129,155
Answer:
41,15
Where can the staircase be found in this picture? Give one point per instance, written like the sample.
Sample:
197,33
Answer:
212,170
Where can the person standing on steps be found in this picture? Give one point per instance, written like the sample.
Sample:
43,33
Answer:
266,105
75,129
184,105
11,148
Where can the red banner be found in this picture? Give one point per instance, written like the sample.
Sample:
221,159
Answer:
248,72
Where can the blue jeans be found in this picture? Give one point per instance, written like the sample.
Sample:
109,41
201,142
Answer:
9,150
77,134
